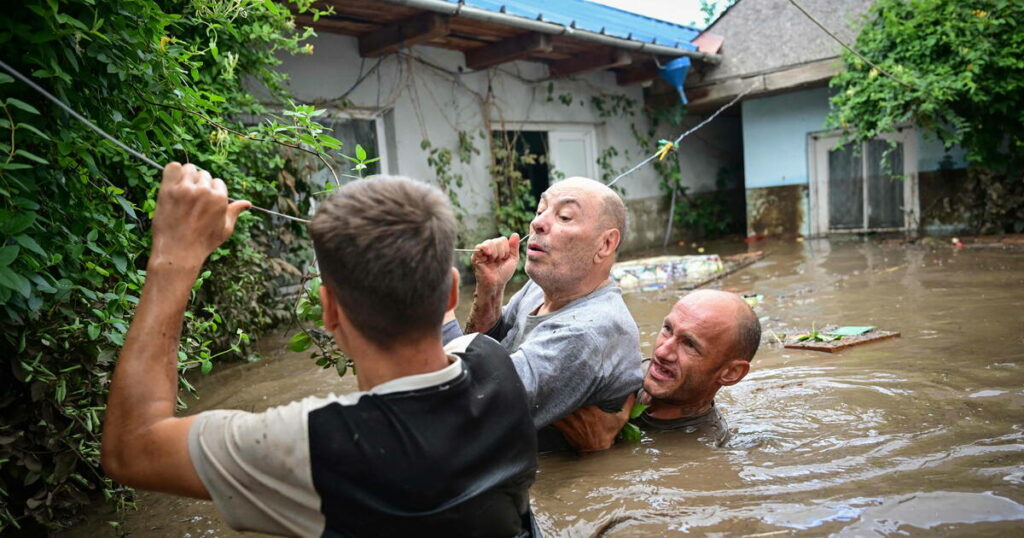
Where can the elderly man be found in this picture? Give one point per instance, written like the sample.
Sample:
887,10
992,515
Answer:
437,441
706,342
571,338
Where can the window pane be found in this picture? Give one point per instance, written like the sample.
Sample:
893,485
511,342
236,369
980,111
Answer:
350,132
885,184
845,189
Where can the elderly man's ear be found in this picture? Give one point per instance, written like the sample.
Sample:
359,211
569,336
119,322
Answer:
610,240
733,371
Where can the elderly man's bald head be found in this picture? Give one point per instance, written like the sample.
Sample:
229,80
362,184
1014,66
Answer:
613,210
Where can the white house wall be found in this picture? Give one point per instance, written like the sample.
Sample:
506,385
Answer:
428,103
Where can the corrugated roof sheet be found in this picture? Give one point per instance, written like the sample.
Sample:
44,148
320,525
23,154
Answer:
597,18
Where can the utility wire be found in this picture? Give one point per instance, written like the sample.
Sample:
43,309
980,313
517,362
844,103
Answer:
847,47
113,140
156,165
676,142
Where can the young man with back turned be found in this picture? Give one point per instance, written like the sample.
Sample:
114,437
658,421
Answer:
436,440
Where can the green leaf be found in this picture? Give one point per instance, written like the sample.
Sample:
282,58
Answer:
18,103
360,153
5,78
13,281
35,131
205,367
8,254
637,410
94,331
15,224
300,341
30,244
31,156
630,432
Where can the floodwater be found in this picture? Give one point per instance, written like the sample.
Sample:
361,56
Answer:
921,435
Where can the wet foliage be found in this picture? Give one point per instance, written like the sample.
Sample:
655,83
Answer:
956,69
166,77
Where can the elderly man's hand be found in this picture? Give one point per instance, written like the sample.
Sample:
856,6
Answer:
495,261
589,429
192,217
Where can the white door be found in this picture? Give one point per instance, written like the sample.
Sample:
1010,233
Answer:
869,186
572,152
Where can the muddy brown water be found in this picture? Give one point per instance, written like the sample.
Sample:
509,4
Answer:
920,435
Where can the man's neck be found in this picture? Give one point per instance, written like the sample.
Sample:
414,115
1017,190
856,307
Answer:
556,299
375,366
671,410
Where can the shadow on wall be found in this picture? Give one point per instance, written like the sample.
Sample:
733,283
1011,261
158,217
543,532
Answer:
776,210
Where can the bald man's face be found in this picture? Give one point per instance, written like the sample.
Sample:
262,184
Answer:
694,354
565,235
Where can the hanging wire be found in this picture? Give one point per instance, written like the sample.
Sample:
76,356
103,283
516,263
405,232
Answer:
113,140
706,121
157,166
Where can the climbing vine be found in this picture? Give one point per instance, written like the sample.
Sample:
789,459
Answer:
956,70
166,78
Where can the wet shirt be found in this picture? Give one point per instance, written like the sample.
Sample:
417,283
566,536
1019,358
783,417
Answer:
585,353
710,425
451,451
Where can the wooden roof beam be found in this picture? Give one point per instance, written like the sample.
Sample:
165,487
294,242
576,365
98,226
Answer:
585,63
508,50
634,74
404,34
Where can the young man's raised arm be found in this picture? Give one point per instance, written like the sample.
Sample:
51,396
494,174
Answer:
144,444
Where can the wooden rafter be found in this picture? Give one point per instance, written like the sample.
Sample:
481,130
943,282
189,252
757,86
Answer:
634,74
585,63
507,50
404,34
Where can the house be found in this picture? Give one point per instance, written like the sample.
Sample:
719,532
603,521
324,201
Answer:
795,179
493,99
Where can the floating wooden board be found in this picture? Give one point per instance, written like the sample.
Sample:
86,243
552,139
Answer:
838,345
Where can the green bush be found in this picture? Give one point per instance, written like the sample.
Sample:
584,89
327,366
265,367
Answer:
956,69
171,79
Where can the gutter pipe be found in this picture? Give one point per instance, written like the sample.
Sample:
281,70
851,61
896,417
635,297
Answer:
470,12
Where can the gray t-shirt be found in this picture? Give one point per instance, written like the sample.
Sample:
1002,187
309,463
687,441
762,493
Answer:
585,353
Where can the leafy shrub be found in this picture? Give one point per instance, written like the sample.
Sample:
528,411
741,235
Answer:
954,68
172,79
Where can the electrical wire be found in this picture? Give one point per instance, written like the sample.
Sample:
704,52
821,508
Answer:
676,142
124,147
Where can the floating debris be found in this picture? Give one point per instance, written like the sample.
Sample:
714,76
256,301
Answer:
687,272
833,339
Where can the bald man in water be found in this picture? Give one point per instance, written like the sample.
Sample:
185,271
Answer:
571,338
706,342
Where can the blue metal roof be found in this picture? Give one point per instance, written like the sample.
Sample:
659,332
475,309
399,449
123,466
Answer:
597,18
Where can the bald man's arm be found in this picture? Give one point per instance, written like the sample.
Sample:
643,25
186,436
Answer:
494,263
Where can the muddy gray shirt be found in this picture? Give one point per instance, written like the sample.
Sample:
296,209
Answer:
585,353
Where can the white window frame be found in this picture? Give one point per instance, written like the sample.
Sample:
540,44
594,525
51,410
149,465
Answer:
818,146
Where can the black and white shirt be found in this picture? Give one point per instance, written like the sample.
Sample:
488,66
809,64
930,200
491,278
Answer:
448,451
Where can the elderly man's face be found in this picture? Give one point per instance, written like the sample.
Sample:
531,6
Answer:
693,353
565,235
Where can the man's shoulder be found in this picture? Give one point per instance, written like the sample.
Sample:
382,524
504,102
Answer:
603,315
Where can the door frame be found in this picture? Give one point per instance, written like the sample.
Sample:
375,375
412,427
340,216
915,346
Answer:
818,145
